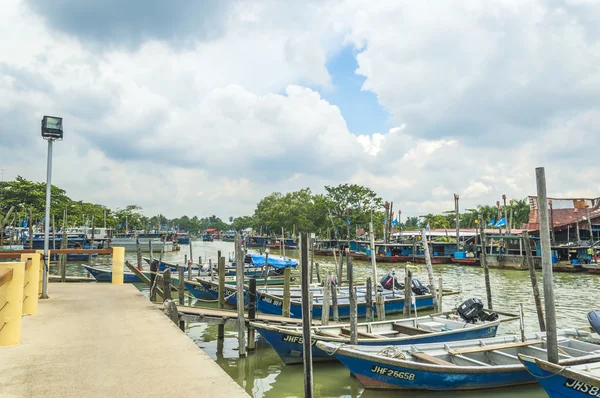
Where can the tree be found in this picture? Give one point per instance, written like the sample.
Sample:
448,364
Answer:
354,203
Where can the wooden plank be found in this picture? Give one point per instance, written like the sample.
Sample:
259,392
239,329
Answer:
493,347
409,330
431,359
232,315
143,278
363,334
329,334
6,276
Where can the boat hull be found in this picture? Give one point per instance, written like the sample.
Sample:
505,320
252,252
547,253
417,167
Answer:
381,375
105,275
289,345
558,385
465,261
268,304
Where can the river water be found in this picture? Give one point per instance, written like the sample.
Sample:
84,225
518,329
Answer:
262,374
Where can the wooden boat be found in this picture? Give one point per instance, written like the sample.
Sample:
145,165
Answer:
287,341
394,303
210,291
465,261
592,268
458,365
566,381
104,274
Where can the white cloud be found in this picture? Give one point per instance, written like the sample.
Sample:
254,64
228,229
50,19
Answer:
488,92
476,190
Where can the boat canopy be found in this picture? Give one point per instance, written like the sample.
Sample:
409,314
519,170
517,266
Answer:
274,261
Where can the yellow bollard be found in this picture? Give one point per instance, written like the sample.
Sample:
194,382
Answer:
118,263
40,254
11,304
32,282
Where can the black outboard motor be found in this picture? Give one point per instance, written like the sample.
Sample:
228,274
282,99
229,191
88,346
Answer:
389,282
594,320
472,311
418,288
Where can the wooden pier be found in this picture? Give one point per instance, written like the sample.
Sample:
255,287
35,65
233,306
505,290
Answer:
222,316
99,340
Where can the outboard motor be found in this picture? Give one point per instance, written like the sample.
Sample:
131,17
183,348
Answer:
472,311
594,320
389,282
418,288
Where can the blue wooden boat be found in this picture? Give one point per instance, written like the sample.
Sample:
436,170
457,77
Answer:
559,381
207,291
103,274
457,365
287,341
394,303
183,239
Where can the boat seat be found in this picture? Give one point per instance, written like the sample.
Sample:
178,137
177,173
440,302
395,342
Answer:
559,351
476,362
431,359
409,330
363,334
329,334
493,347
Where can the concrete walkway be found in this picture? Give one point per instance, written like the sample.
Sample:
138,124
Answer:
103,340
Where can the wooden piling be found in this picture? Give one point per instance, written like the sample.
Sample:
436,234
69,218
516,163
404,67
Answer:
340,273
369,299
318,273
436,305
138,250
252,313
153,272
407,291
551,336
63,245
166,279
486,269
326,301
266,267
312,256
180,288
221,303
534,284
353,309
373,254
93,239
191,253
306,319
287,278
334,302
592,244
239,279
380,304
440,294
457,221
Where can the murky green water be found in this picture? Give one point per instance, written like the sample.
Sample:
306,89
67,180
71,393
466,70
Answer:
262,374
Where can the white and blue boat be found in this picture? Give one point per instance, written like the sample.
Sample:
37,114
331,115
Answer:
559,381
287,341
457,365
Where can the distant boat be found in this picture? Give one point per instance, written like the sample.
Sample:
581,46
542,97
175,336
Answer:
207,291
457,365
130,244
566,381
207,238
287,341
183,239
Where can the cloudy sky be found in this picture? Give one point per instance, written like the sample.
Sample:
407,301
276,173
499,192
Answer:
204,107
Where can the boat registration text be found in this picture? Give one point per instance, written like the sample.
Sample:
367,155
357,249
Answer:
392,373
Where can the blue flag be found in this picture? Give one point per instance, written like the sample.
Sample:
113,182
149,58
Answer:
501,223
25,223
348,222
395,222
492,223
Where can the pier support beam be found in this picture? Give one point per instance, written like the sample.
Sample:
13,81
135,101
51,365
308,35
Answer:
32,280
118,263
12,277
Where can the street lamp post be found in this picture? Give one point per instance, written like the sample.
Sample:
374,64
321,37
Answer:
52,129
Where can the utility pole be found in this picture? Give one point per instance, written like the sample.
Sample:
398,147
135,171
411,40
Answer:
456,214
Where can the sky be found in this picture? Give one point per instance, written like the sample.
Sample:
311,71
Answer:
205,107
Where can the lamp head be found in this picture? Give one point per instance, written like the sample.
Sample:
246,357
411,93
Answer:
52,128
